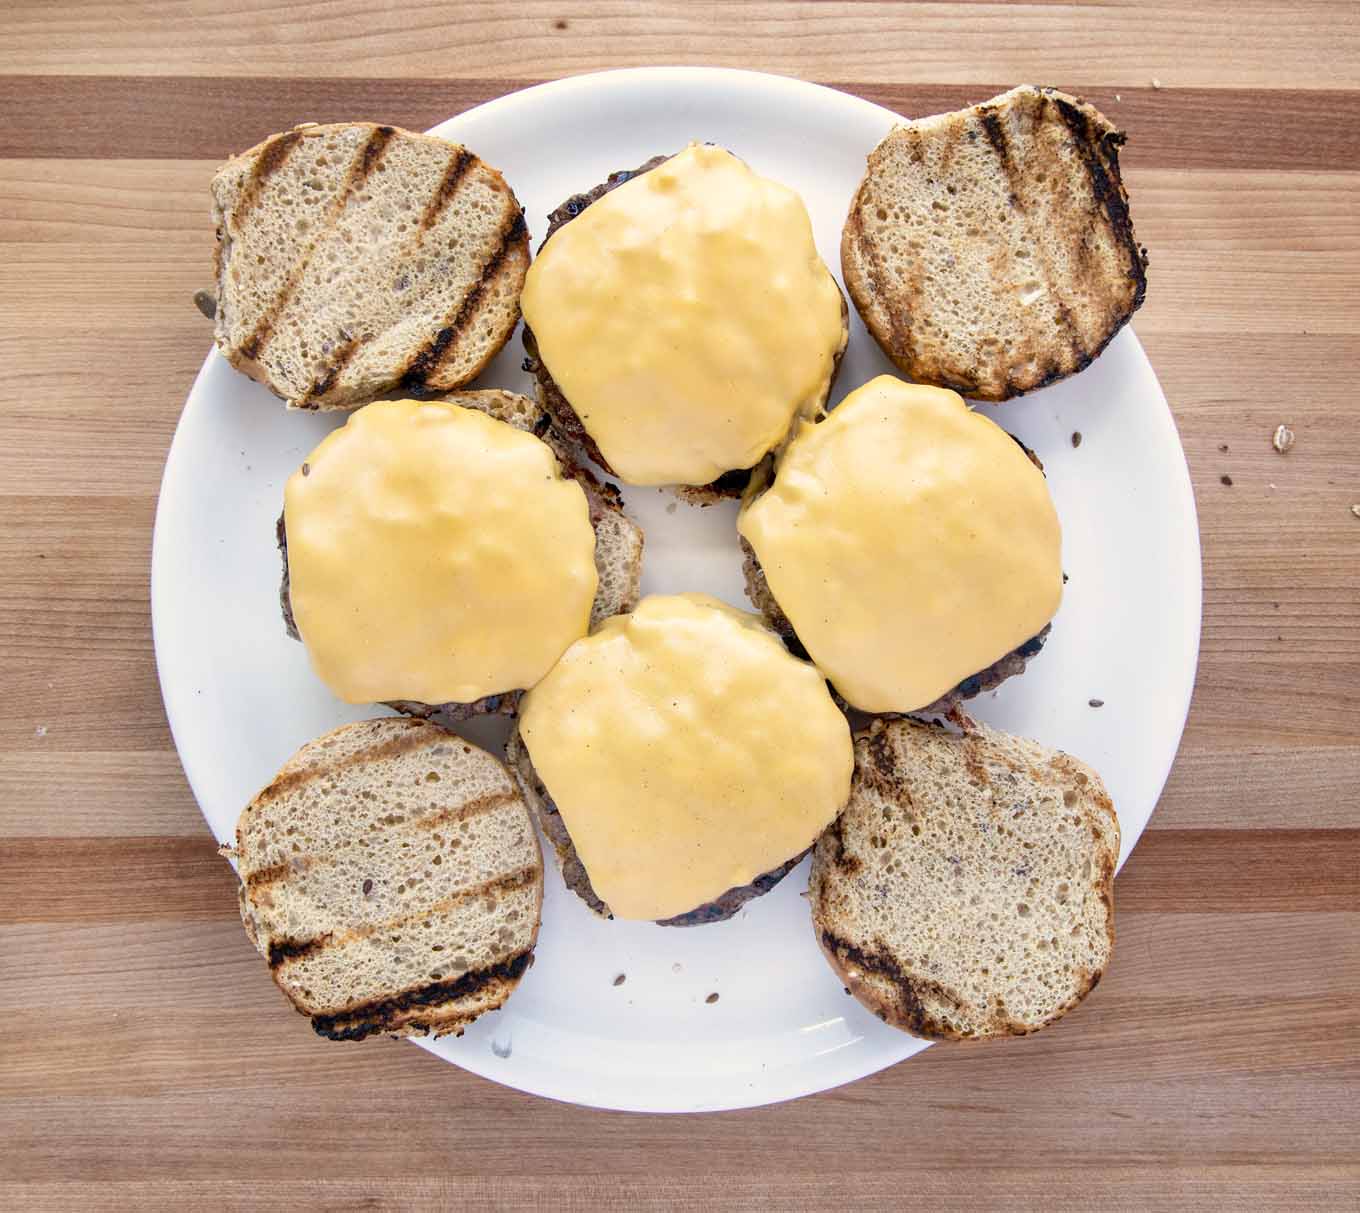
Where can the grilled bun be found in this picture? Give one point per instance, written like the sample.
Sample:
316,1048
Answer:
392,879
967,891
355,259
990,250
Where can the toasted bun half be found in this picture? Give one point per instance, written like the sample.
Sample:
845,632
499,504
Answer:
967,891
355,259
391,878
990,250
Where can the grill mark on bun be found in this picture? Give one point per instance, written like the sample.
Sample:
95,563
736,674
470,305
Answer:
262,878
381,1014
438,348
1105,185
364,164
907,990
898,305
282,951
271,158
459,165
323,383
996,136
465,812
413,738
448,187
1071,332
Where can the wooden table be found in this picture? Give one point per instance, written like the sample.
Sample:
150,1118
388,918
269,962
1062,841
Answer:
146,1060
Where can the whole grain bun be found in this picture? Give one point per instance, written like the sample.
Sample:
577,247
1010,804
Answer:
391,877
967,891
618,545
990,250
355,259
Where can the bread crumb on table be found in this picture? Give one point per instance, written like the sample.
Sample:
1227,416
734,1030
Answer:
1283,439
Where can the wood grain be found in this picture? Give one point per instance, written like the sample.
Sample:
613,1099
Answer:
1174,870
148,1061
1258,43
213,117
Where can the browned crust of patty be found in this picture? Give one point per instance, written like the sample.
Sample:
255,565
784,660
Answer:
574,873
900,999
564,418
1098,152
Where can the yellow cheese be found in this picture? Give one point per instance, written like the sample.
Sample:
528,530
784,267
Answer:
687,318
435,554
909,541
688,753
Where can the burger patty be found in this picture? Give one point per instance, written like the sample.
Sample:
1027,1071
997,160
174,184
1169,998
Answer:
563,416
1013,663
555,404
574,873
601,498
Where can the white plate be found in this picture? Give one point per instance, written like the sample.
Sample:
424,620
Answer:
241,698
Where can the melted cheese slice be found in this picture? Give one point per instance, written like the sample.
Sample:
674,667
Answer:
687,318
435,554
909,541
688,753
